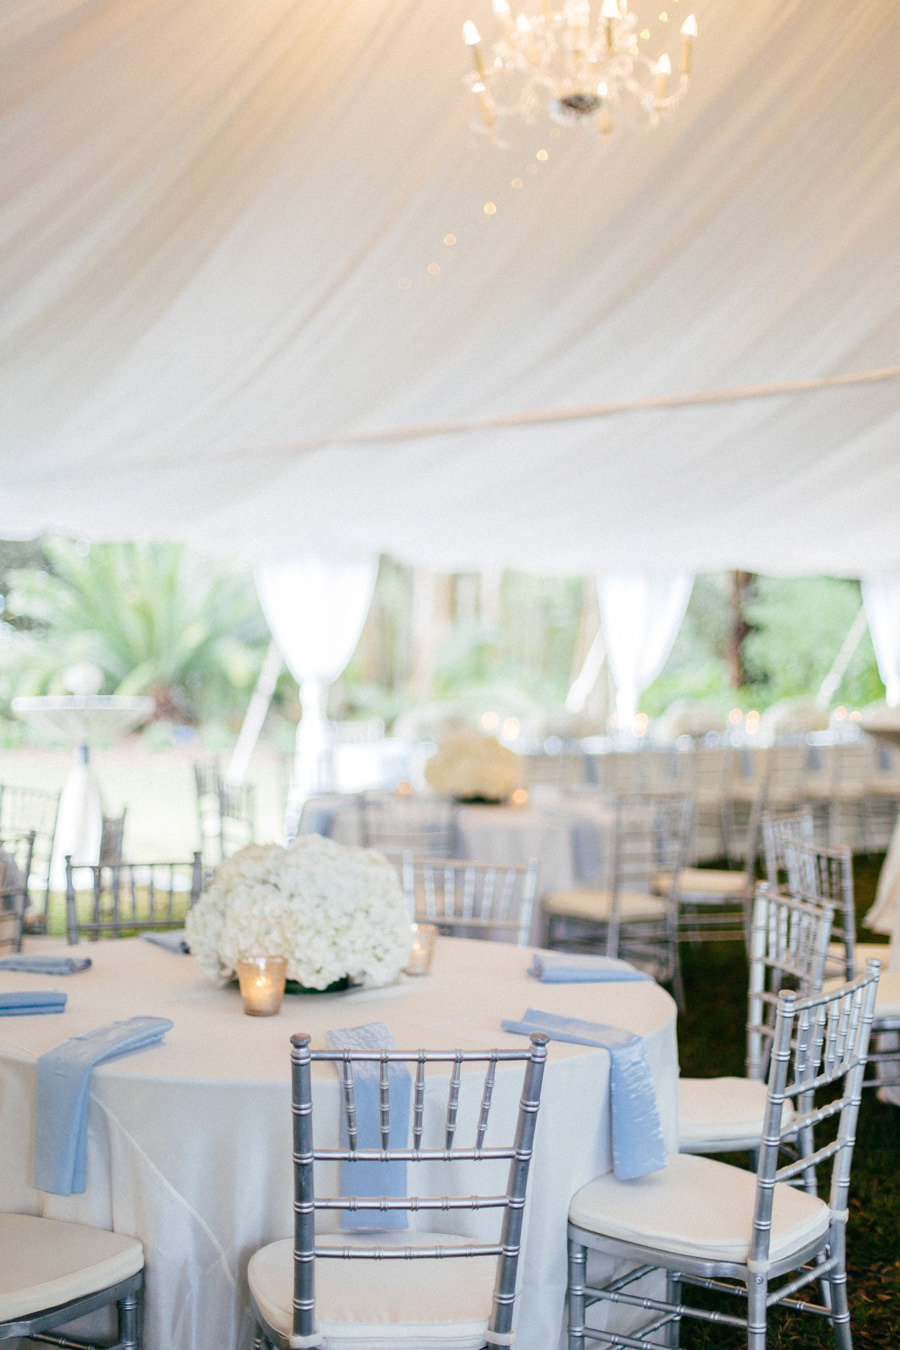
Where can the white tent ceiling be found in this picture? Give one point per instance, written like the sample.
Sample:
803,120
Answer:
677,349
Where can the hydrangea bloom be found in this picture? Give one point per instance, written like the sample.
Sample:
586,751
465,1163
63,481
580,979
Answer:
332,911
468,764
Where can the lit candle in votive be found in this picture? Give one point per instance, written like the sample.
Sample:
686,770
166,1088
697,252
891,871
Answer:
424,936
262,983
663,71
688,31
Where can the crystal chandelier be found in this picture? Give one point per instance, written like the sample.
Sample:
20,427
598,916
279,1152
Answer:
583,72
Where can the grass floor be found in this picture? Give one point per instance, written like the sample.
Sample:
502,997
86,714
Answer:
711,1041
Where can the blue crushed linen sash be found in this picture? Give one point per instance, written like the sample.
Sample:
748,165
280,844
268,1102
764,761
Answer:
364,1177
637,1142
63,1088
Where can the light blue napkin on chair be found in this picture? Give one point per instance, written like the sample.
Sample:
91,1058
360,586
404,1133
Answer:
573,968
374,1178
171,940
23,1003
63,1087
637,1142
42,963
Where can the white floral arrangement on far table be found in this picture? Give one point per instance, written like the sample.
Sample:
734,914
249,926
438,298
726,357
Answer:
333,911
470,766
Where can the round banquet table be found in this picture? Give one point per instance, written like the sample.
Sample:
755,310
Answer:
189,1143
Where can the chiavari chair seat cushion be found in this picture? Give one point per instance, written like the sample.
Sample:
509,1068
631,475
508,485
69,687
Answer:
386,1303
596,905
48,1264
712,883
729,1111
697,1207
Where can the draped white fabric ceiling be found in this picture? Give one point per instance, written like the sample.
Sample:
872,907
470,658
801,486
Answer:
676,350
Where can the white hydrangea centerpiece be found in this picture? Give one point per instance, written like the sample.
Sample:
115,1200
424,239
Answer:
333,911
468,765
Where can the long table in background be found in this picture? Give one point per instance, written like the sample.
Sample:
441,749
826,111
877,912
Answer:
189,1143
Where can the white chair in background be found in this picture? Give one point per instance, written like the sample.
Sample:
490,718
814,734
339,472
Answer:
471,899
395,822
622,914
788,947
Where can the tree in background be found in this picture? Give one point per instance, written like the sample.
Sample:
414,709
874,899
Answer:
154,619
161,619
797,627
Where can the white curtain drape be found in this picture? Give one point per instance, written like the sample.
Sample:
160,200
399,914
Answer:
232,312
640,617
881,599
315,608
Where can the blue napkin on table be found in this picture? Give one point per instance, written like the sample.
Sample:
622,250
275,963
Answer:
364,1177
63,1086
26,1002
173,941
42,963
571,968
637,1142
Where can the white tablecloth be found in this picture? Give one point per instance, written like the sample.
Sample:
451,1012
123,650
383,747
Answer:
189,1143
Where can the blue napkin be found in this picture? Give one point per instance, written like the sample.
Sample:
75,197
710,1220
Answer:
26,1002
570,968
173,941
45,964
637,1142
63,1086
364,1177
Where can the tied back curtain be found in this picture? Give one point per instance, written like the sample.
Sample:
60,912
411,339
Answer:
881,598
315,608
640,617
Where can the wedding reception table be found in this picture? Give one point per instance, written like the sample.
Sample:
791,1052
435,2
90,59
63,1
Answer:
189,1143
568,833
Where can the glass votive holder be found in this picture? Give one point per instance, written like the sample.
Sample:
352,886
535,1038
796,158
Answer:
262,983
424,936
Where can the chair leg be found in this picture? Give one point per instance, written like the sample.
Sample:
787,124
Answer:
677,981
840,1308
575,1296
129,1314
673,1298
757,1291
